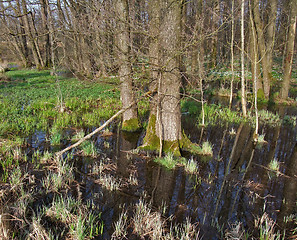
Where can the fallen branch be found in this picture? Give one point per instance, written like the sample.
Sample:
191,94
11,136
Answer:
101,127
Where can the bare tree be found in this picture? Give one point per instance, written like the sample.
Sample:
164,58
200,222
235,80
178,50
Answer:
265,40
130,119
232,53
289,53
166,126
243,95
31,33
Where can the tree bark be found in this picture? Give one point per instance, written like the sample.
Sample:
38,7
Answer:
166,126
22,47
266,45
45,25
154,18
243,95
254,49
254,70
289,51
32,41
130,117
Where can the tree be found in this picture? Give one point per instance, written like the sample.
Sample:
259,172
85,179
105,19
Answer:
31,33
130,118
265,39
289,51
243,100
164,128
45,24
13,32
232,54
254,69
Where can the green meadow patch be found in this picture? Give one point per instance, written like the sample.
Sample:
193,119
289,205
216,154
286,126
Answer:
34,100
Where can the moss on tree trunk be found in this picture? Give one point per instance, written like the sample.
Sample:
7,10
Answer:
151,141
131,125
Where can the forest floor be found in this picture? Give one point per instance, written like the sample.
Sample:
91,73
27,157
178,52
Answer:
47,197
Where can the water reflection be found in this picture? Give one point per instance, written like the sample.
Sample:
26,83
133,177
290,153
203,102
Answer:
235,185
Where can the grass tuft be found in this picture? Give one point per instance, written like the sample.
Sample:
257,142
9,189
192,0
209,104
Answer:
120,227
88,149
16,179
206,149
109,182
55,136
168,161
236,232
274,165
266,228
147,222
79,135
191,166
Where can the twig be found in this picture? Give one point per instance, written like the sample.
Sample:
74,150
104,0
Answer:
101,127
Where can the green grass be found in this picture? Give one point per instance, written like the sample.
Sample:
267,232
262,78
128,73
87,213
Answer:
267,228
16,178
205,150
109,182
88,149
274,165
191,166
83,224
218,115
78,135
34,100
168,161
120,227
56,137
269,118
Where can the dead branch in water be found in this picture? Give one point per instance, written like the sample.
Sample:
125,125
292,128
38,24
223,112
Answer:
101,127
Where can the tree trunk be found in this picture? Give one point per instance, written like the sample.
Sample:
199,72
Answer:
164,126
254,70
254,58
215,33
28,30
154,15
266,46
130,118
243,98
170,76
45,25
23,46
232,54
289,51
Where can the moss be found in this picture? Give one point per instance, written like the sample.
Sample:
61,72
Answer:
131,125
152,141
261,96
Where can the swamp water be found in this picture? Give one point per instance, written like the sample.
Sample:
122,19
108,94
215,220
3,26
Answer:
235,185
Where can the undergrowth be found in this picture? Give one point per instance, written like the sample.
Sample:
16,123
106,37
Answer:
34,100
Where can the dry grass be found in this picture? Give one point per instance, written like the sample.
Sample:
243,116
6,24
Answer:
236,232
266,228
4,226
147,223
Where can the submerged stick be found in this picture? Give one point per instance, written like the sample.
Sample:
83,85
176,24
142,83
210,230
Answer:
101,127
92,133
